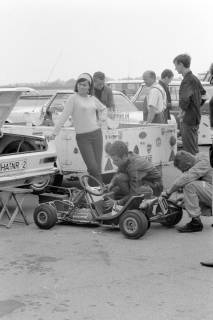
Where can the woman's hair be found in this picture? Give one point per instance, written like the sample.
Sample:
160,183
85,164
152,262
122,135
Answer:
85,77
119,149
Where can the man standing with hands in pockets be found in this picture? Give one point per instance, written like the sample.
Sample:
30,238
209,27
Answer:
190,101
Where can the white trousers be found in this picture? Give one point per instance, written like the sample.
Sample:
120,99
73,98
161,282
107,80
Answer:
197,194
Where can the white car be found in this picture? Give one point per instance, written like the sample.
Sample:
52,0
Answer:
24,159
29,109
125,110
45,108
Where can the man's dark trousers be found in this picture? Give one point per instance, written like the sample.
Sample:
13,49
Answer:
189,136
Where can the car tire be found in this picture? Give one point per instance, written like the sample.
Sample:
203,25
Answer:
45,216
40,186
133,224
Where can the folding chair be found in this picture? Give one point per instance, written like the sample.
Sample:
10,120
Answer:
12,193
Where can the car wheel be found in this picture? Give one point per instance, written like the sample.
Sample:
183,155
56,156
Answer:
45,216
176,216
133,224
19,146
40,186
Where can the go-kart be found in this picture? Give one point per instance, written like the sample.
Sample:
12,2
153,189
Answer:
133,219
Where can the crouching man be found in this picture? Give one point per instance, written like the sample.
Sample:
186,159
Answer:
135,175
196,181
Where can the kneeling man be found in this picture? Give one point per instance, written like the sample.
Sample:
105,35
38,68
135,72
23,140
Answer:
196,182
135,175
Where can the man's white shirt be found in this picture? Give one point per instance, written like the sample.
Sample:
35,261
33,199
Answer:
157,97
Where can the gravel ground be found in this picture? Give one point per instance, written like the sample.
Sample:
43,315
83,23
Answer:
88,273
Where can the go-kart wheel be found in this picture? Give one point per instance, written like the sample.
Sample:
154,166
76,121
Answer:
45,216
96,191
133,224
176,216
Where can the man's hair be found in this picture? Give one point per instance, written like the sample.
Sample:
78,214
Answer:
185,59
151,74
99,75
184,160
119,149
167,73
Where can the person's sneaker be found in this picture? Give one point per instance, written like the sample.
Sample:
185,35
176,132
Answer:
193,226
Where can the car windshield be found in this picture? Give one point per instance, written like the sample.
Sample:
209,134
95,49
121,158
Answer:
143,93
31,102
57,104
209,91
129,88
122,104
209,94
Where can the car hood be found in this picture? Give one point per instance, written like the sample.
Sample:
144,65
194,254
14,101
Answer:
8,99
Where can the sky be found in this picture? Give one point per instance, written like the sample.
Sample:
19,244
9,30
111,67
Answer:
46,40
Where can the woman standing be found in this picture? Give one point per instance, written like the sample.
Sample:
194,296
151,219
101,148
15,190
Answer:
88,114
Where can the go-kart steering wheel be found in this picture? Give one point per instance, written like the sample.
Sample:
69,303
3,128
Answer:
96,191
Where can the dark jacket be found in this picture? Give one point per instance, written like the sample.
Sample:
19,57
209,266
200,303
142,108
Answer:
106,97
140,172
168,100
190,96
200,171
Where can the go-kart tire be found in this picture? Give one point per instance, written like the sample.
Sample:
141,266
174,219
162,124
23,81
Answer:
174,218
133,224
45,216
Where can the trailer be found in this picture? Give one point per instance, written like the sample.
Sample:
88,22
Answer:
155,142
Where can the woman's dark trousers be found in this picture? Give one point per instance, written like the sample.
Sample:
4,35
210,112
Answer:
91,147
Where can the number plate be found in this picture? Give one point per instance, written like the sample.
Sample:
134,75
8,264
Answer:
9,166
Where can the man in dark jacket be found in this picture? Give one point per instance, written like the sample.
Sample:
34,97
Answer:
103,92
196,182
166,78
135,175
190,100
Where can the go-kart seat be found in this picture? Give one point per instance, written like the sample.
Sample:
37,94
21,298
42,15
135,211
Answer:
100,207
